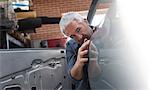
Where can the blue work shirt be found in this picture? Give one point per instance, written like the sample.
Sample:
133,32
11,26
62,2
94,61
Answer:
71,54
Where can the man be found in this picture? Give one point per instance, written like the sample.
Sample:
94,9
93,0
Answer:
75,26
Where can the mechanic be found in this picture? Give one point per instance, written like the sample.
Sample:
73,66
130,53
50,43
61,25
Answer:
73,25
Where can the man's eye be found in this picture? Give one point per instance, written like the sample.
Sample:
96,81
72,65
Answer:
72,36
78,30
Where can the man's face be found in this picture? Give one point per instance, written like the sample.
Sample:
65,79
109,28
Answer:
78,30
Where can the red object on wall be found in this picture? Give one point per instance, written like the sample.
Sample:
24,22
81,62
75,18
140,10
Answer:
60,42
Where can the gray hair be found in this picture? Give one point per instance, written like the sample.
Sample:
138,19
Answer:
67,18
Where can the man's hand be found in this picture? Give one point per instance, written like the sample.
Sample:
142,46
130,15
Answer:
82,57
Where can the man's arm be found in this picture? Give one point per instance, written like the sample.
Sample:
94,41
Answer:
77,70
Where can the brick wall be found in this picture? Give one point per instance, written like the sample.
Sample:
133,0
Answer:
54,8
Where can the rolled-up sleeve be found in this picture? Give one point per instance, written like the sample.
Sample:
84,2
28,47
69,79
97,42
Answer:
71,55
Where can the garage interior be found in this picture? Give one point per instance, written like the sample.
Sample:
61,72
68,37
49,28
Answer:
36,26
33,49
